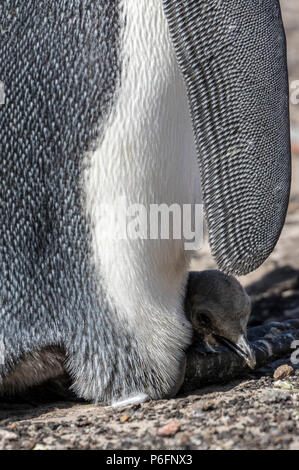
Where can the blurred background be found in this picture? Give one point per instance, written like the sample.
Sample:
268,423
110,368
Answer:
274,287
290,11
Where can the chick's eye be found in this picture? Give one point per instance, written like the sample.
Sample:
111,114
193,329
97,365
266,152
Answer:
203,319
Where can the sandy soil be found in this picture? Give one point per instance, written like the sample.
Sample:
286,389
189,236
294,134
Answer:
251,413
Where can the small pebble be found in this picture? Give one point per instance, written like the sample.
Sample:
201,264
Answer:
284,385
125,418
169,429
283,372
7,435
40,447
208,405
184,440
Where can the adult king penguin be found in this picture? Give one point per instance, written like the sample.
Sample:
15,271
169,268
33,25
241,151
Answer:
111,99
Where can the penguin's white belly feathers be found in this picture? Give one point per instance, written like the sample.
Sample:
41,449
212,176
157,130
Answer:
147,156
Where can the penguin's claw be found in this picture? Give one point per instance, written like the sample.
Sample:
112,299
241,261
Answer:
130,400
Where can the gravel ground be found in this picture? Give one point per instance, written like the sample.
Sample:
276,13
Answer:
255,412
249,414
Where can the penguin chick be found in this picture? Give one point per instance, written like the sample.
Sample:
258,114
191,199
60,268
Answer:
219,309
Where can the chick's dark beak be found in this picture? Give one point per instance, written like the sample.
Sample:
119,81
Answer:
242,348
